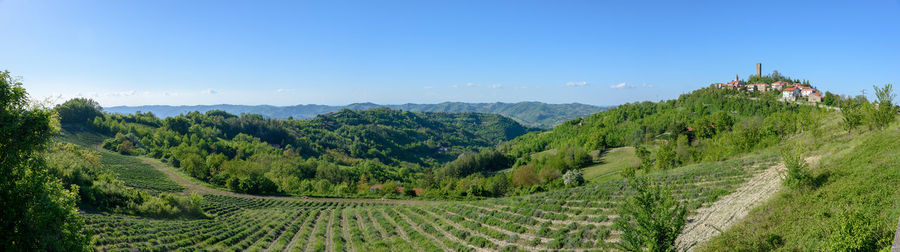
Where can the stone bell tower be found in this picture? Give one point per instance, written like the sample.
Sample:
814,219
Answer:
758,69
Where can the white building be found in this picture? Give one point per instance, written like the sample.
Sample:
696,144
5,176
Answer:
790,94
806,91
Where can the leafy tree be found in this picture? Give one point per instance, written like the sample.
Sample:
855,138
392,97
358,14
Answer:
650,219
389,188
644,155
852,112
665,156
469,163
683,149
78,110
525,176
38,213
362,186
497,185
885,112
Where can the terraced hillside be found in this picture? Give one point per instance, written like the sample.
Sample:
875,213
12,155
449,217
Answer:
573,219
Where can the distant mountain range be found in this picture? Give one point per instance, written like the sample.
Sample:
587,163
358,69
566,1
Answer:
532,114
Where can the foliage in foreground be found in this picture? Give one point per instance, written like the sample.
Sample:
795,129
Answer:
852,208
38,213
650,219
103,190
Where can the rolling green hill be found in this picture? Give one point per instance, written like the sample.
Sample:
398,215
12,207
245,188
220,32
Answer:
532,114
325,155
704,146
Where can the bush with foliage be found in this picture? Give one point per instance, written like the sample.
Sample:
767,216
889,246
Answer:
858,231
797,173
884,112
650,219
573,178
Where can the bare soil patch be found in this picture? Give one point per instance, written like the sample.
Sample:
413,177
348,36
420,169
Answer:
713,219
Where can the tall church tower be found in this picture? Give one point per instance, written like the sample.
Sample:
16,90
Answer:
758,69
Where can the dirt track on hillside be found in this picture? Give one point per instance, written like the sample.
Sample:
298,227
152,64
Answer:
195,187
712,220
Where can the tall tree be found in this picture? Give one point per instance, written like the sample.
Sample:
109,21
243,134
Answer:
38,213
885,113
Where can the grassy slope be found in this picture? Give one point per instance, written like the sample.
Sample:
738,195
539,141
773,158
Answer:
80,136
611,164
858,174
129,169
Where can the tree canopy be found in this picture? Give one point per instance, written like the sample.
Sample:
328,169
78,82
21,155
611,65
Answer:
38,213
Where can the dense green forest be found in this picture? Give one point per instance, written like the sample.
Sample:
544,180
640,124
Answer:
340,153
532,114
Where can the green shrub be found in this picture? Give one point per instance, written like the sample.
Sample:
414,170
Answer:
797,172
858,231
651,219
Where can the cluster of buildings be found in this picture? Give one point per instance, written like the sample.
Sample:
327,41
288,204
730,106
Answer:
789,91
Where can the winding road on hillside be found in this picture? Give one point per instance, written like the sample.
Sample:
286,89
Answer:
713,219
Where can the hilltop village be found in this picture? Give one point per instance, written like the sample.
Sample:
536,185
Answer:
790,90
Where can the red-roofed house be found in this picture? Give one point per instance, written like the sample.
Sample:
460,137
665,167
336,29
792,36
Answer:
815,97
778,85
759,87
790,94
806,91
736,84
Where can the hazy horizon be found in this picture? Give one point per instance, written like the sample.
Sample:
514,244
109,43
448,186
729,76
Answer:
348,104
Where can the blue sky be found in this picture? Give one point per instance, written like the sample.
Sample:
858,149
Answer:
340,52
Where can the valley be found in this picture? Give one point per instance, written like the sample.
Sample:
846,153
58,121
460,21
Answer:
564,126
717,193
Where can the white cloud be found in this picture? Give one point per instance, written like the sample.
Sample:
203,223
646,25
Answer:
210,91
454,86
576,83
496,86
647,85
427,87
619,86
470,84
118,94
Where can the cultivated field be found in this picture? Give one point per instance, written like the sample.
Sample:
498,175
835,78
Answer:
572,219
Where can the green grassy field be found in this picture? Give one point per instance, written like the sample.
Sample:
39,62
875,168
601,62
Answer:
611,163
137,174
853,205
129,169
80,136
